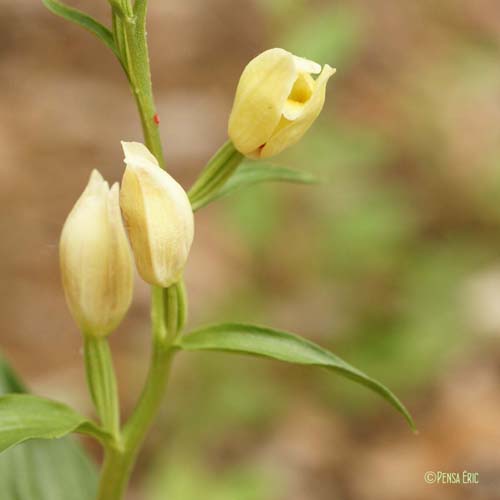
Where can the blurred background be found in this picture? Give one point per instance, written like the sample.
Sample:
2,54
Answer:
393,263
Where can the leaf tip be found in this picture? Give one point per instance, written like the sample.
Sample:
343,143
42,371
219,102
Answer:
409,420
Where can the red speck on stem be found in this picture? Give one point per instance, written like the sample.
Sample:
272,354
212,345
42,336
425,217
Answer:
156,119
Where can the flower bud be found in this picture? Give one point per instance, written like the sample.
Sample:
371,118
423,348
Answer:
158,217
96,261
276,102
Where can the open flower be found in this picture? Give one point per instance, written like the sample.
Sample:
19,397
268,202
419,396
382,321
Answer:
158,217
96,261
276,102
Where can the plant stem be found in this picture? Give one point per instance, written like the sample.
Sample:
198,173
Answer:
101,380
136,60
118,464
166,309
215,174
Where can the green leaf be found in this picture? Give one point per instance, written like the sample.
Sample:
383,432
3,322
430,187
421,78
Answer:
23,417
89,23
251,173
42,469
47,470
283,346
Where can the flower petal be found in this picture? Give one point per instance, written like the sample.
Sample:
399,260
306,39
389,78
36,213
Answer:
289,132
307,66
137,154
263,89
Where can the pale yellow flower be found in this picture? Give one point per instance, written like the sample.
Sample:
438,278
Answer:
276,102
96,261
158,217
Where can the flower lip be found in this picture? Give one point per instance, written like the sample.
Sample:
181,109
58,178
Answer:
301,92
290,131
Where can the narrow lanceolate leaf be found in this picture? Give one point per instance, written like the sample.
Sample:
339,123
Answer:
41,469
89,23
251,173
283,346
24,417
257,172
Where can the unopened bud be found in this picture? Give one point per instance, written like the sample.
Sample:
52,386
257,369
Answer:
158,217
96,261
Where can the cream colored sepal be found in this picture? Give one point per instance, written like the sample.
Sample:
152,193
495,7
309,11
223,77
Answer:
96,260
158,217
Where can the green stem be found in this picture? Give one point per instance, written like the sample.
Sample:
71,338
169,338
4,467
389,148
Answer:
158,314
171,313
130,32
216,173
101,380
136,59
118,464
182,305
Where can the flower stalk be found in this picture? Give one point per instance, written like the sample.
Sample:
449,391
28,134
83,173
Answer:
101,381
218,170
118,463
277,100
167,311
